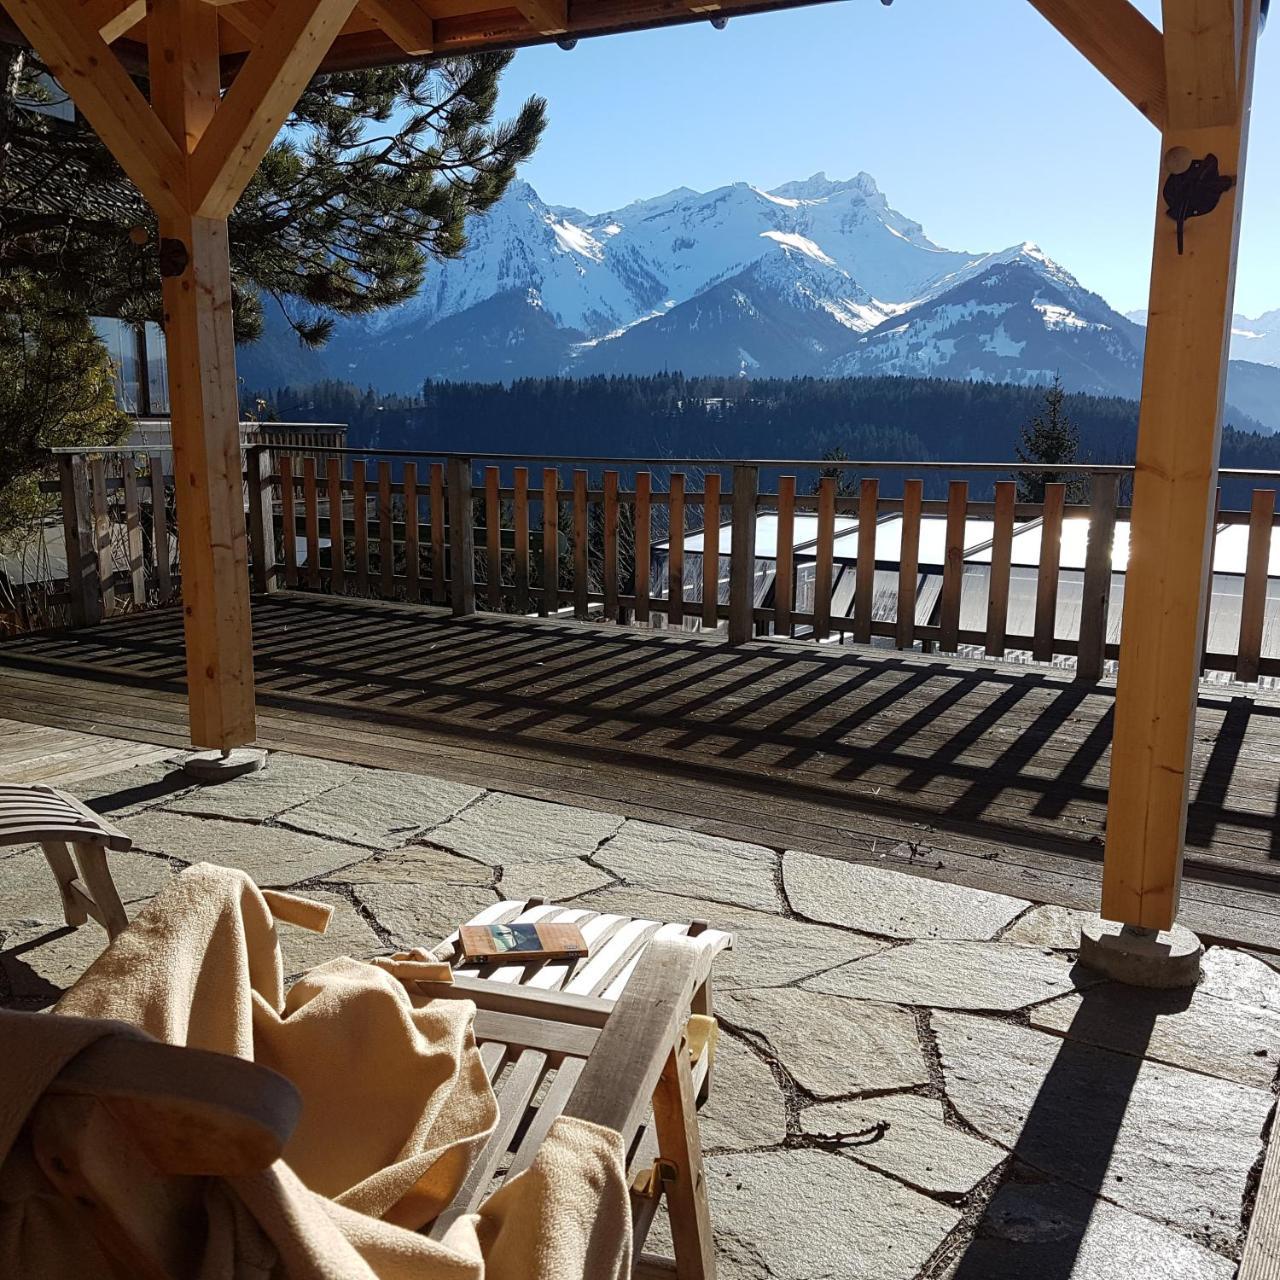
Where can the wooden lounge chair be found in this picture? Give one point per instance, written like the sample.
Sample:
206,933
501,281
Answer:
31,813
626,1032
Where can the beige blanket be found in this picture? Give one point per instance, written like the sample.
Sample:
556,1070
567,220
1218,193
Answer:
395,1105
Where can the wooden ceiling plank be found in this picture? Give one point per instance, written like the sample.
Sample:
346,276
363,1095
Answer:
1202,61
100,87
249,17
114,18
1121,43
406,22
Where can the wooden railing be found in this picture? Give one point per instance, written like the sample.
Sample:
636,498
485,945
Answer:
889,559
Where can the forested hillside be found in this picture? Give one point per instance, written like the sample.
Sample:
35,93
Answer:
669,415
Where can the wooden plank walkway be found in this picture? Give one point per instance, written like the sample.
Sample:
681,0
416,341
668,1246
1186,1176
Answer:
982,774
37,753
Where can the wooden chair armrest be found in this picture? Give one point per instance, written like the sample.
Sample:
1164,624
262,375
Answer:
617,1085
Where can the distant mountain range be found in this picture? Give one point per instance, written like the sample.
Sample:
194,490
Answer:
820,278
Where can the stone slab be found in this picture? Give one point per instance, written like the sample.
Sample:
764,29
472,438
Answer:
830,1046
746,1108
381,809
768,950
39,962
693,865
808,1215
891,903
954,975
133,789
287,782
557,881
416,865
29,894
417,916
1048,926
1235,1041
274,857
1051,1230
1168,1143
917,1146
511,830
348,934
1235,975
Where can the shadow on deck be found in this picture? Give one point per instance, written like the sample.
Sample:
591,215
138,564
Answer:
983,774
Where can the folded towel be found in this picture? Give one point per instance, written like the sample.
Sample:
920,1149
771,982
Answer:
395,1105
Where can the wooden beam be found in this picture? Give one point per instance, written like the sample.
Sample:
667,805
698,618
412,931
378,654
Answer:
260,98
1202,54
248,17
1121,43
114,18
405,21
203,396
85,67
546,17
1179,431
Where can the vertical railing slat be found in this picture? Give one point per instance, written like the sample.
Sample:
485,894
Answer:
133,533
102,547
1055,496
784,580
675,550
412,572
311,517
1253,605
360,513
611,546
1094,606
864,586
1001,557
824,551
580,533
462,554
550,542
521,521
77,529
953,566
742,554
492,538
711,550
644,488
438,595
288,521
337,528
160,527
386,534
1208,604
909,564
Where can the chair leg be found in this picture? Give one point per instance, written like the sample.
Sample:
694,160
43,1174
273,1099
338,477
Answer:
680,1150
701,1003
58,857
102,889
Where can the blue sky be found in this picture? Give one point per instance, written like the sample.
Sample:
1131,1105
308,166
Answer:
976,118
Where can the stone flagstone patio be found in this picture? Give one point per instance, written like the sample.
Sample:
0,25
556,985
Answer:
915,1079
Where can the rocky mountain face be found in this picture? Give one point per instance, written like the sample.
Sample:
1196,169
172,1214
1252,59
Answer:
820,278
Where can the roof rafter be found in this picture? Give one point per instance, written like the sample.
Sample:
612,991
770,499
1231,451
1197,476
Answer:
1121,43
113,18
405,21
547,17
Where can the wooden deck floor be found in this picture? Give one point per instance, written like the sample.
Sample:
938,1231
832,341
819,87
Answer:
987,775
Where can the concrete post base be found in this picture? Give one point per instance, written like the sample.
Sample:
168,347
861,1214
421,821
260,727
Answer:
210,767
1141,957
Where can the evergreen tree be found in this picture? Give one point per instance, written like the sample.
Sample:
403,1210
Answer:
1048,436
373,176
57,387
846,481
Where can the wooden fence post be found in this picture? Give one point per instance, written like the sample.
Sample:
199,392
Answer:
1095,604
742,562
462,559
82,552
262,529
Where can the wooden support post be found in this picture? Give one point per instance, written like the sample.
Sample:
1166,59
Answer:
462,556
742,554
1179,431
262,531
77,530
